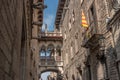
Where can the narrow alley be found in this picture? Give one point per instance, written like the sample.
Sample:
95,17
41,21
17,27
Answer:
59,39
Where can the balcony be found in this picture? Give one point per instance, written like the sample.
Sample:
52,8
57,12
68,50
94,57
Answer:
50,63
53,36
49,36
91,37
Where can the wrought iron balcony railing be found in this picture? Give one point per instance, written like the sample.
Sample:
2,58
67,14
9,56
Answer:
51,61
90,32
90,37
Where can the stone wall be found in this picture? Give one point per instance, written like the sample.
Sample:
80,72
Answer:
10,38
73,33
15,50
113,47
73,53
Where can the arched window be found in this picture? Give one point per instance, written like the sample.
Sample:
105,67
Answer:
58,50
50,50
43,51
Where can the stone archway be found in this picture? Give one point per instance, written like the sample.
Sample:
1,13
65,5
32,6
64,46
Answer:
52,70
57,71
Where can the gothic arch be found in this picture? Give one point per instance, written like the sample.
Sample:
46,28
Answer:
50,46
42,51
58,49
50,50
53,70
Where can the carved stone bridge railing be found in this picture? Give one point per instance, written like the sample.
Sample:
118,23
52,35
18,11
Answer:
51,34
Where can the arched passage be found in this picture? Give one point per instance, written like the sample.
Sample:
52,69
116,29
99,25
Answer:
51,70
50,58
52,74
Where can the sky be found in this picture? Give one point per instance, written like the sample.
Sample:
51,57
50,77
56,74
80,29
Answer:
50,14
44,75
49,19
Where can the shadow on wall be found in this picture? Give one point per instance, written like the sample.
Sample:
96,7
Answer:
73,77
112,55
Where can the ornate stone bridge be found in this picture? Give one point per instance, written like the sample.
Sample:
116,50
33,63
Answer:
50,54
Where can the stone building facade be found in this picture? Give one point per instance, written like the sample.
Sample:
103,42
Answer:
113,38
16,56
37,21
92,53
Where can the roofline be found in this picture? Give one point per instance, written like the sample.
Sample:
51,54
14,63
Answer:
60,8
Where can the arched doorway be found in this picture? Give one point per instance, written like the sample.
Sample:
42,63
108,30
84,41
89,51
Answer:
49,74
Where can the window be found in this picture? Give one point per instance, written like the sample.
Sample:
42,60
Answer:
42,53
91,15
72,20
65,35
58,50
31,55
81,1
71,49
50,50
73,16
76,43
34,63
70,25
92,20
66,58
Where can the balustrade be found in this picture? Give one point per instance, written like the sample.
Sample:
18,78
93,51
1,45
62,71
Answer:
50,61
52,34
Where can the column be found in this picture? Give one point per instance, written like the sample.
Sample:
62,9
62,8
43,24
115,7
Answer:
55,54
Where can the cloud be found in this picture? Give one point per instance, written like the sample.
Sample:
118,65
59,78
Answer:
49,20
